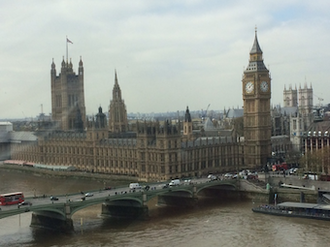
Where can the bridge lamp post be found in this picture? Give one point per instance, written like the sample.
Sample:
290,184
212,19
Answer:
144,199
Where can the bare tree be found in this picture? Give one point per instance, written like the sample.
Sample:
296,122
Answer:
312,161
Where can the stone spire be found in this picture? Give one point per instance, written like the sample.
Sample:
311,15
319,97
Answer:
117,110
256,47
116,92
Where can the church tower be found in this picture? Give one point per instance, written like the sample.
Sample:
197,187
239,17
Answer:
290,97
306,104
256,86
305,99
68,100
117,110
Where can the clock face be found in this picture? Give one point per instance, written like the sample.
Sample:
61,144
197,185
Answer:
249,87
264,86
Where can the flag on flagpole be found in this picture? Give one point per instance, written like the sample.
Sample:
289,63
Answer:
68,41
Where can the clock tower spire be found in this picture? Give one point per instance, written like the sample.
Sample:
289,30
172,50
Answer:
256,85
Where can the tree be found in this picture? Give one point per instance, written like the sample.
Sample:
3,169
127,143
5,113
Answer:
293,157
312,161
239,125
324,155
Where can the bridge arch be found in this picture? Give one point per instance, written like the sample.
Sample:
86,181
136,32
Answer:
224,186
180,190
85,204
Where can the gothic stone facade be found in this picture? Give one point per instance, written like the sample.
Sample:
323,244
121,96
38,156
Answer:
156,152
68,99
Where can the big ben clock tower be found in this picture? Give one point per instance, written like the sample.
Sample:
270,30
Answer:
256,84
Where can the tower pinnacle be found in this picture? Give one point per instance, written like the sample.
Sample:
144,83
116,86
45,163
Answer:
256,47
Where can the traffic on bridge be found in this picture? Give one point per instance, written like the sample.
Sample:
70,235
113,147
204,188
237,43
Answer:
31,203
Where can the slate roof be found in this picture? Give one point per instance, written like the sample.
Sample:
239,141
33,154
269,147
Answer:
256,47
322,126
22,136
256,66
209,126
288,110
235,113
202,141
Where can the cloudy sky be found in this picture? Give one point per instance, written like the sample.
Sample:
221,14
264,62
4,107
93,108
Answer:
167,54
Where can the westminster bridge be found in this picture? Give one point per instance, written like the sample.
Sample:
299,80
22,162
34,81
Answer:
125,203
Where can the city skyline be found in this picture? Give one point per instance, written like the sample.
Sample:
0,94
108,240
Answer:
167,55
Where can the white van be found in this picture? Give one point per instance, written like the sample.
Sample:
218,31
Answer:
175,182
135,186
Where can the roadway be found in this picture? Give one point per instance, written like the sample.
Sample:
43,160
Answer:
45,200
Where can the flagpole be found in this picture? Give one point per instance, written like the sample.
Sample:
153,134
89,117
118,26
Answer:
66,41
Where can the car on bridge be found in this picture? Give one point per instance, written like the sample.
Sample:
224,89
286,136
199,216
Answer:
134,186
165,186
53,198
175,182
89,194
212,177
228,175
25,203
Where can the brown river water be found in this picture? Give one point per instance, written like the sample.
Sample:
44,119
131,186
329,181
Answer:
212,223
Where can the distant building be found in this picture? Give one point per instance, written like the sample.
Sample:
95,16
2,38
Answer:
318,139
295,117
10,139
5,129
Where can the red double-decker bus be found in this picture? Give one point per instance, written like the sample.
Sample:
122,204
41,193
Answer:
280,167
11,198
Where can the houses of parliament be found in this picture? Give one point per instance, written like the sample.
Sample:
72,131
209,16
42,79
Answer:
155,150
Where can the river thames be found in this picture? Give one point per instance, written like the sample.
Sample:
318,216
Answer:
220,223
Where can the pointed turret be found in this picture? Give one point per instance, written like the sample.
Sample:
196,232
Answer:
100,119
256,62
53,71
187,126
63,63
116,92
53,64
81,62
81,68
116,79
187,117
256,47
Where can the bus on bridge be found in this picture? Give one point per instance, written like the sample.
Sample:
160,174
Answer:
11,198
